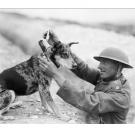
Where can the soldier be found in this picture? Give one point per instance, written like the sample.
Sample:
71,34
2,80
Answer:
110,101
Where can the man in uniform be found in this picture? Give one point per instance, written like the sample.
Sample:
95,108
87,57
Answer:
110,101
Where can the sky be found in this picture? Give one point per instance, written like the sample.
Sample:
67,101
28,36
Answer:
83,15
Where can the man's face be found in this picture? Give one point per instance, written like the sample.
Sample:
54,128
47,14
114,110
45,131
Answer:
108,68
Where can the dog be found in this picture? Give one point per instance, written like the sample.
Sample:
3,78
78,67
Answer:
27,78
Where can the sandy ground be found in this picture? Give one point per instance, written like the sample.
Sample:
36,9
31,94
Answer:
30,111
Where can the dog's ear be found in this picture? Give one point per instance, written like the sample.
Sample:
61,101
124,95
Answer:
71,43
53,36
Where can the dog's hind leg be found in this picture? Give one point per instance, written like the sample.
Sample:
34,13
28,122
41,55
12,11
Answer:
7,98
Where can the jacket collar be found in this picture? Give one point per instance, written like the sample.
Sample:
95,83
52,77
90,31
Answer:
121,78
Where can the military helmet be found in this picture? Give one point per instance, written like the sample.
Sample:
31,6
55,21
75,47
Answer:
114,54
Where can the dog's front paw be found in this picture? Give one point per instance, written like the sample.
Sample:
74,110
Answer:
45,110
64,117
51,37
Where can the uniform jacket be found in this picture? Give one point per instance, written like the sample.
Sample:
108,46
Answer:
110,101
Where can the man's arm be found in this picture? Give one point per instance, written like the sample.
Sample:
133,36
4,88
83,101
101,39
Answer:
84,71
92,102
96,102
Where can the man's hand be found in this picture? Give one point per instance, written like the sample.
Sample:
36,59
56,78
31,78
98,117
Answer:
47,66
51,70
76,58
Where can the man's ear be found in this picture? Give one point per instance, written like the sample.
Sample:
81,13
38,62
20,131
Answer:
120,67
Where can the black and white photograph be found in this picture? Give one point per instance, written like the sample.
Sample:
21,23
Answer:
67,66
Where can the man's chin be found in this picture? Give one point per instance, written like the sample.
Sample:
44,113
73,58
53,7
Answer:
103,76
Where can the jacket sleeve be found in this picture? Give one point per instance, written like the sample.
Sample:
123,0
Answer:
84,71
96,102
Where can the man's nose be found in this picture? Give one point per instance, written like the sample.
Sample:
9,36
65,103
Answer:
100,66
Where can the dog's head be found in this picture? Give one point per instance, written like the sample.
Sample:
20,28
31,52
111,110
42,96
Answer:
60,52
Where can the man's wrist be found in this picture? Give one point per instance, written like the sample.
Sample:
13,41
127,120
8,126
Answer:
59,78
76,58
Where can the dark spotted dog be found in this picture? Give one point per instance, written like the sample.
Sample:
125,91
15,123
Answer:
26,78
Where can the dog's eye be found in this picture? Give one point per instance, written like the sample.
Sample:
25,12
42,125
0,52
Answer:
65,55
60,47
53,49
